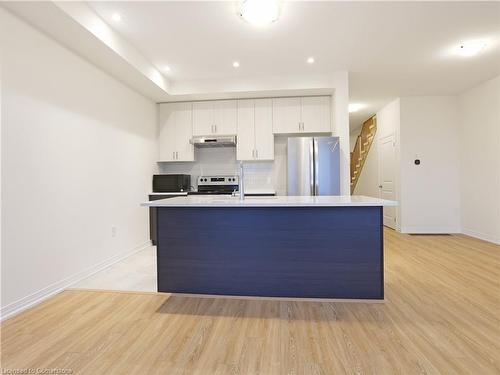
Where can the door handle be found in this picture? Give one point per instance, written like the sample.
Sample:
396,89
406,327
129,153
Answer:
380,186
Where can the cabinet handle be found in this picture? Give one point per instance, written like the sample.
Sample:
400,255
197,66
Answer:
302,126
173,155
176,155
215,126
256,154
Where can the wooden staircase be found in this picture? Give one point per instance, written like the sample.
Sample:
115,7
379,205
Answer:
361,149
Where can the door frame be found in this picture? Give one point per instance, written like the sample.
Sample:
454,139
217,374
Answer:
381,140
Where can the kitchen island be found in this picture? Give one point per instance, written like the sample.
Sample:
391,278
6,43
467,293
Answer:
287,246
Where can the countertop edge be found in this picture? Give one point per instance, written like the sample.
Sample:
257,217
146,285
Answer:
263,202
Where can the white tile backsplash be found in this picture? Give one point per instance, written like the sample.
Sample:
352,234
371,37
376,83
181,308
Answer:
259,175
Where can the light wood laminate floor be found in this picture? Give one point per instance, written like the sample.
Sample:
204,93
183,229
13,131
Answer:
440,316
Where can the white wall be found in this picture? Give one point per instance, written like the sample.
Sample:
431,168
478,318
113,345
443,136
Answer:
429,192
78,152
479,110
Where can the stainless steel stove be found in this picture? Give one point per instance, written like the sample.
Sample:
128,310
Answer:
217,185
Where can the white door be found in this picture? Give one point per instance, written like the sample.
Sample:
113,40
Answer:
245,146
286,115
203,118
316,114
264,137
387,173
184,132
167,132
225,117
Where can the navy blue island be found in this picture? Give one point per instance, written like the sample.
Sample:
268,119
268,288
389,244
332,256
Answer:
298,247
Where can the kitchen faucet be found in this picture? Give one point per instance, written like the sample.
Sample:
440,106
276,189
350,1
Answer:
241,184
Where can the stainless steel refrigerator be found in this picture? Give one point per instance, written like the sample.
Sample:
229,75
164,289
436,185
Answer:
313,166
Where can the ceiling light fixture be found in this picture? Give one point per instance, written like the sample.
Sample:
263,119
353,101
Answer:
116,17
355,107
310,60
166,68
471,48
260,12
236,64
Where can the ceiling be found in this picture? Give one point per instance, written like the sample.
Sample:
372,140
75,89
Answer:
390,49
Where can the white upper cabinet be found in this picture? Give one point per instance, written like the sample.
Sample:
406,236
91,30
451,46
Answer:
316,114
254,121
301,115
203,118
215,117
255,139
176,130
264,137
245,138
286,115
226,117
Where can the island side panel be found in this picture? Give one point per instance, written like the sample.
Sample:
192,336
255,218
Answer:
307,252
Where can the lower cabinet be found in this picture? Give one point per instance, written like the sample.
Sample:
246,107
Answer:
152,215
255,139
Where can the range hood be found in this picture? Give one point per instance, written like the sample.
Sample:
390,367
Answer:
216,141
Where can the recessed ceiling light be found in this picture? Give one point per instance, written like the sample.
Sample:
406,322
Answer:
116,17
236,64
355,107
310,60
260,12
166,68
471,47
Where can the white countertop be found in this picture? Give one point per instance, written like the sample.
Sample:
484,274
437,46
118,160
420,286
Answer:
277,201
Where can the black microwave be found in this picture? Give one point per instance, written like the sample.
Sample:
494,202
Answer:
171,183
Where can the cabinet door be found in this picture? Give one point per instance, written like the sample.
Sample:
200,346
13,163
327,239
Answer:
176,130
264,137
184,132
286,115
225,117
245,138
203,118
316,114
167,132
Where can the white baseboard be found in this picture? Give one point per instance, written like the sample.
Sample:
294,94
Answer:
31,300
429,230
481,236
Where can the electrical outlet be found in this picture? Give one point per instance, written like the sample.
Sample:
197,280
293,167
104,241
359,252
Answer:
113,231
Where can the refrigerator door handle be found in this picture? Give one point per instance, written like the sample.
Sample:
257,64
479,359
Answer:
312,174
316,166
